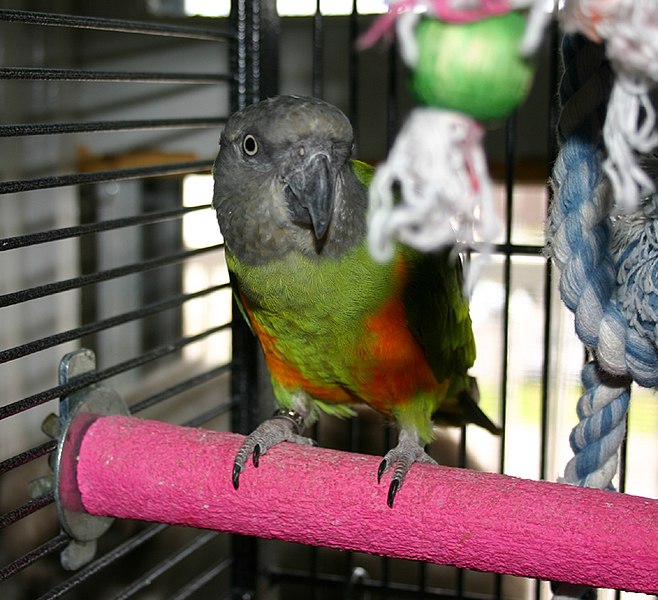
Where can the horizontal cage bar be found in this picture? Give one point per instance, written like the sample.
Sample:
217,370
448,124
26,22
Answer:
86,379
52,235
407,590
77,282
40,183
180,387
47,447
210,414
104,561
169,562
26,510
89,328
49,547
116,25
26,457
198,582
96,126
46,74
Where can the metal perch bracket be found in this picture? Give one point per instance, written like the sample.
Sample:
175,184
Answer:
77,411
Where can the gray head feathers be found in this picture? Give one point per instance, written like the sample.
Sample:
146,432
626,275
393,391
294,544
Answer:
283,181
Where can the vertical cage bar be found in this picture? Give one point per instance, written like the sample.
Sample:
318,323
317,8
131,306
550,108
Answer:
255,55
317,86
238,54
353,76
510,134
318,44
269,33
552,150
244,375
255,24
554,67
353,426
392,115
253,51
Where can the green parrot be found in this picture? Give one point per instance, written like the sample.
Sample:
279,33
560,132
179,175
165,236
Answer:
336,327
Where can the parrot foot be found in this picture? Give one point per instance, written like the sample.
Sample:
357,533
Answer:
284,426
406,453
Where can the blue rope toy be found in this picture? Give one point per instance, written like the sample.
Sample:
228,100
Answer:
608,267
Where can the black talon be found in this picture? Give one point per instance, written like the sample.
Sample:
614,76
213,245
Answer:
280,428
392,490
381,470
236,476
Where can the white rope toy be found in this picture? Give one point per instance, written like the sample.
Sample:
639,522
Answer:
439,204
629,29
437,161
440,167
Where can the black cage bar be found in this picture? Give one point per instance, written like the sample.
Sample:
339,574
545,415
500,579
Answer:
146,166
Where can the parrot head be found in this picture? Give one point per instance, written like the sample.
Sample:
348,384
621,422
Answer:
283,180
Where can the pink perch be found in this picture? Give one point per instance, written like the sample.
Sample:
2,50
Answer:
131,468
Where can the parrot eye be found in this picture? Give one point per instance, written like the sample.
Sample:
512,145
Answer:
249,145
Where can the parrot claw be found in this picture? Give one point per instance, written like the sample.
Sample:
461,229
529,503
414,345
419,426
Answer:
267,435
392,490
406,453
383,467
236,476
256,455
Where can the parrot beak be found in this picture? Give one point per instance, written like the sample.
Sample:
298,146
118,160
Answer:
310,190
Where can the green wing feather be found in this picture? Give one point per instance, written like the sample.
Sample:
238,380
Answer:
364,172
438,315
436,308
237,298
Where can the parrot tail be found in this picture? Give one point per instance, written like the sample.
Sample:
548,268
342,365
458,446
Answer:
466,410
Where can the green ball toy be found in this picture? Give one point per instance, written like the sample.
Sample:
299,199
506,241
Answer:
474,68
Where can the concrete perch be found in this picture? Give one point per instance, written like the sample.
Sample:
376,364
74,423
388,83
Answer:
153,471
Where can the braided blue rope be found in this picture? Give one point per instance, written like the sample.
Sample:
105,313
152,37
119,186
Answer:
615,309
609,275
580,234
596,439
